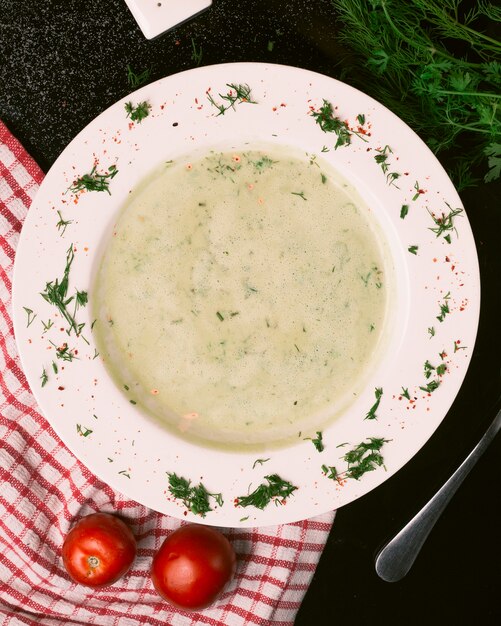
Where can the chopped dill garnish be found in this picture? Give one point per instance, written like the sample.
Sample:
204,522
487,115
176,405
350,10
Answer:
444,308
63,352
330,472
44,378
404,211
47,325
431,386
236,95
54,367
94,181
56,293
299,193
405,393
428,369
195,499
84,431
277,490
419,191
371,414
431,331
31,316
363,458
441,369
62,224
413,249
381,159
138,112
330,123
260,462
445,223
317,442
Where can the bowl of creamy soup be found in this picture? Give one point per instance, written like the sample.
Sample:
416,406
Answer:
267,285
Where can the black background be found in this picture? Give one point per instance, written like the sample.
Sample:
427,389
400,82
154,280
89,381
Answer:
63,62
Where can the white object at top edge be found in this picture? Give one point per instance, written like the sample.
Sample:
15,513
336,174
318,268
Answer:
158,16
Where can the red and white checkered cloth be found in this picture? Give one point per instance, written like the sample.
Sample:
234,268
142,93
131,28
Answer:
44,489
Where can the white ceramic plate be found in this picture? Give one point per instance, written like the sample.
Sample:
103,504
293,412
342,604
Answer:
435,315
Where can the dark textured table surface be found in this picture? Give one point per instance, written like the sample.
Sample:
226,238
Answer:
62,62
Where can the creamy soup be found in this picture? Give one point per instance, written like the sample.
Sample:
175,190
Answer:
243,295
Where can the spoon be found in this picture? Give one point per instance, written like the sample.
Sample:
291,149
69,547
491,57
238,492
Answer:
395,559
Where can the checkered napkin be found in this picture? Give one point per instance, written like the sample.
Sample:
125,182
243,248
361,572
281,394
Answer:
44,489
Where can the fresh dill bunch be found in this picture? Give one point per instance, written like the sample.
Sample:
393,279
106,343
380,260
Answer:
436,65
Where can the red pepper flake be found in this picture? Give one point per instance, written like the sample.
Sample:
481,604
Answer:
274,109
61,388
283,104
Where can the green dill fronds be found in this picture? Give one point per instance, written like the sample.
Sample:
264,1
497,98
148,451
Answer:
194,498
62,224
436,65
365,457
371,414
56,293
94,181
138,112
277,490
237,94
31,316
330,123
317,441
444,223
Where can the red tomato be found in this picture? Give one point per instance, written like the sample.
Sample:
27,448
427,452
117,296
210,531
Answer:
98,550
193,566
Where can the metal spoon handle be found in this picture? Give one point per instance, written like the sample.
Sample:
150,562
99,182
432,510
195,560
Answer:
396,558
